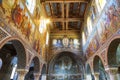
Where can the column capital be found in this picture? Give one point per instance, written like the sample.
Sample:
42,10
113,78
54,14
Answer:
112,70
37,76
22,71
96,75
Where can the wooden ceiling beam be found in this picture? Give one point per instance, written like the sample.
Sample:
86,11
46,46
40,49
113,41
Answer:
64,32
63,25
67,15
65,1
66,19
51,9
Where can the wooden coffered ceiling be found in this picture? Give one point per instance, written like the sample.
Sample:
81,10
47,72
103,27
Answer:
65,15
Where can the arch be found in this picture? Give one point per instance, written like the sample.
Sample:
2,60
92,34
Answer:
13,54
20,49
89,75
43,72
36,62
44,69
70,57
112,54
33,68
99,68
88,69
54,57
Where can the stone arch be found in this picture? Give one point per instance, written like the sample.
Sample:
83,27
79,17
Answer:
113,58
44,69
13,52
43,72
20,49
112,54
36,62
34,69
89,75
99,70
60,56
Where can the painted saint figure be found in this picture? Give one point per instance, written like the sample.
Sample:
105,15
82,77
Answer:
17,15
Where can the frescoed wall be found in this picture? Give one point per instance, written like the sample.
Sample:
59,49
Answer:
106,25
25,18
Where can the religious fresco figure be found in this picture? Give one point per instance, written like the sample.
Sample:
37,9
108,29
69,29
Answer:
113,16
24,23
65,41
28,31
17,15
71,44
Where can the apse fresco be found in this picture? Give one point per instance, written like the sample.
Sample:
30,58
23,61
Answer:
108,24
65,68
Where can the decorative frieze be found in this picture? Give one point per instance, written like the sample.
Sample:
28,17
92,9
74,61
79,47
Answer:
2,34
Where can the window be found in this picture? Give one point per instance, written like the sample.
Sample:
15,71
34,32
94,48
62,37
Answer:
89,25
31,5
83,38
42,25
47,38
100,4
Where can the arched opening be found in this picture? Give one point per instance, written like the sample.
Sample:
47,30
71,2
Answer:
89,75
43,73
99,70
13,57
114,58
34,68
66,66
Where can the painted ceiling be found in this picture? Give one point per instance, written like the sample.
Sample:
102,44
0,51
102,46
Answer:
65,14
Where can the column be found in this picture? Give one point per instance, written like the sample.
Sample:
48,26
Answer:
21,73
37,76
113,73
96,75
88,77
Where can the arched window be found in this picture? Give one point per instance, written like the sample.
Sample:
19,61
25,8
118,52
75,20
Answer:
100,4
89,25
47,38
83,38
31,5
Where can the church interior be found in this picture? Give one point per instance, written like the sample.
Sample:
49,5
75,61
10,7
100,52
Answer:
59,39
